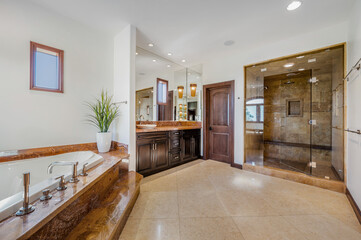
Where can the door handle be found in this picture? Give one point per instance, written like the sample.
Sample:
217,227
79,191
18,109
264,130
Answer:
210,128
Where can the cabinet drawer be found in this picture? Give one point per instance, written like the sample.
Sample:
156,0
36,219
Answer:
175,143
174,134
152,135
174,158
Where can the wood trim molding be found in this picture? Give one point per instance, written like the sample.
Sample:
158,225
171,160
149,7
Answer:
33,46
354,205
236,165
49,151
231,84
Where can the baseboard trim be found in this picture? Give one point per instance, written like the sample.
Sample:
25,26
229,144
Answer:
355,208
236,165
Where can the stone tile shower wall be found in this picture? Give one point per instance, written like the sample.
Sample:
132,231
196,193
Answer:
289,137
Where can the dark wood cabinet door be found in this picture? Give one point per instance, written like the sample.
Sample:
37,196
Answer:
161,153
196,150
187,147
144,155
220,124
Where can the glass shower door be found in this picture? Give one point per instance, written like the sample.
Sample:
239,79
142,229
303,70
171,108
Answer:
287,134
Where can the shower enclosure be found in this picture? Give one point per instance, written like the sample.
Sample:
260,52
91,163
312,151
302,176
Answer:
294,113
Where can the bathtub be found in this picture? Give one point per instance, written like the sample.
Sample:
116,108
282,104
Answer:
11,174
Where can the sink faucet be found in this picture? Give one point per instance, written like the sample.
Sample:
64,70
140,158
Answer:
74,177
140,119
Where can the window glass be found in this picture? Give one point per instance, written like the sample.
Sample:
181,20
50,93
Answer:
46,70
251,113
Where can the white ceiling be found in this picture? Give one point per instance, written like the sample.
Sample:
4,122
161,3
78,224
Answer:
195,29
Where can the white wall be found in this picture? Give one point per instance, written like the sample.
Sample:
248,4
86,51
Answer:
36,119
353,104
124,89
229,66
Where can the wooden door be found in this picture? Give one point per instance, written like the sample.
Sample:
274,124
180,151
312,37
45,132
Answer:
219,122
160,153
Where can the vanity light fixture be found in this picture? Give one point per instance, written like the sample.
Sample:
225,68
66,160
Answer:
288,65
193,89
180,91
150,45
294,5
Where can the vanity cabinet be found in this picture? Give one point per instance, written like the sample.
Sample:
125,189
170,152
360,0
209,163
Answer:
157,151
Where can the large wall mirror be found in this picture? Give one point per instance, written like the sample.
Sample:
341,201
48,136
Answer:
166,91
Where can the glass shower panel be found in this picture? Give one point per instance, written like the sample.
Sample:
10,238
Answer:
327,114
254,117
287,134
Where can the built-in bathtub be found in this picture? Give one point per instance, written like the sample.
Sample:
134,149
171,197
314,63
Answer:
11,177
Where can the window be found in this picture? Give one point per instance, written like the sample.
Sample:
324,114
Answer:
162,92
255,110
46,68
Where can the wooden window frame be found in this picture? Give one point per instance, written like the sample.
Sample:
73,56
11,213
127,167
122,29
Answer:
33,47
166,96
258,113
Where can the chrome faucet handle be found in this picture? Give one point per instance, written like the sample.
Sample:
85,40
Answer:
74,178
46,195
61,183
83,172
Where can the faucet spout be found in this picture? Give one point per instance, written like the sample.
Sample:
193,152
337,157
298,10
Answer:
74,177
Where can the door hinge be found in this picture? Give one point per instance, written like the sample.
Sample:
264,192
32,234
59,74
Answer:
312,122
313,164
313,80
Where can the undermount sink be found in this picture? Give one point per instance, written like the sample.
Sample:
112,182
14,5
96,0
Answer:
146,126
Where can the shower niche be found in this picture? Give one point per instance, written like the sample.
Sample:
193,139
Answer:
294,113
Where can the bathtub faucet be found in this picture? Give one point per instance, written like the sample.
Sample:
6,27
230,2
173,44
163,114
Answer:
74,177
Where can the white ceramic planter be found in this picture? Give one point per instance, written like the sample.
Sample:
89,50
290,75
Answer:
104,141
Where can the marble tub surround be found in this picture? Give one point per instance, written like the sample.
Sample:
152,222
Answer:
54,150
54,219
106,221
211,200
169,126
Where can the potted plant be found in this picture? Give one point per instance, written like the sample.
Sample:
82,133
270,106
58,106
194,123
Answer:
103,114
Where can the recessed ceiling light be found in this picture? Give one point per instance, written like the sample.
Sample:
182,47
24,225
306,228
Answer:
288,65
136,53
169,54
168,65
294,5
228,43
183,60
299,57
154,60
150,45
301,69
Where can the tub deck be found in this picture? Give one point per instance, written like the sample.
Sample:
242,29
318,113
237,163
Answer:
26,226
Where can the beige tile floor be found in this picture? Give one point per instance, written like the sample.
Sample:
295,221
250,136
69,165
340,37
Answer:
210,200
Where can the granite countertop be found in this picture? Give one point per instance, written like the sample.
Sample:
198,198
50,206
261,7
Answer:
168,128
